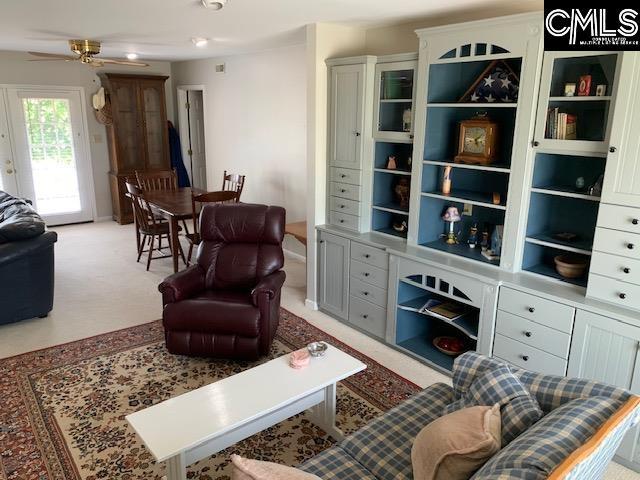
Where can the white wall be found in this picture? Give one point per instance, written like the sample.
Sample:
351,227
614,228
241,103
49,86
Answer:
255,124
16,69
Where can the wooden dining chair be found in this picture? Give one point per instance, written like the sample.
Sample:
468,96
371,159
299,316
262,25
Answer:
226,196
233,182
148,226
161,180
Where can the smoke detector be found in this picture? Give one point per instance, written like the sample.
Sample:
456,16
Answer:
214,4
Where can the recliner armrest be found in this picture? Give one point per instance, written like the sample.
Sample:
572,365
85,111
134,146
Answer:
271,285
182,285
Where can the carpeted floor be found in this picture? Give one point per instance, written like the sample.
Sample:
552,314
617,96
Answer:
62,409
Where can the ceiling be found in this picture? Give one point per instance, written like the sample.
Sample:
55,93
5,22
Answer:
162,29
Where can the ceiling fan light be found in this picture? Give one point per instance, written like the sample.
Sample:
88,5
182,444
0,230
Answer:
214,4
132,56
200,42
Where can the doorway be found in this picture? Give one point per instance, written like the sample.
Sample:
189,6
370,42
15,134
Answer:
192,136
49,162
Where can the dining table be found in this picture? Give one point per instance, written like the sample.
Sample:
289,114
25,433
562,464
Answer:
174,206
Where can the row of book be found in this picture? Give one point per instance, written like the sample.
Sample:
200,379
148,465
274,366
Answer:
560,125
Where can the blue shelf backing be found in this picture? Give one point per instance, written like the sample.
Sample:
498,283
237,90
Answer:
562,171
448,82
441,131
382,221
383,189
539,259
602,69
402,152
482,184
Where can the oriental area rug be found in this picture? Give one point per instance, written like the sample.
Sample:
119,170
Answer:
62,409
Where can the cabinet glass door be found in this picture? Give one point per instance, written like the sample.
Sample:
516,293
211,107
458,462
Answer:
577,90
394,104
155,126
127,124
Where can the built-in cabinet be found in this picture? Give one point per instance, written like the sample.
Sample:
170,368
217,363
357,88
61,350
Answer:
564,184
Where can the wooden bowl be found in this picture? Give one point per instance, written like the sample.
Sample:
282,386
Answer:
571,266
446,351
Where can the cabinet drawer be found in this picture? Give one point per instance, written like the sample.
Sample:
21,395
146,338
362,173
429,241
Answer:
343,190
367,292
368,317
613,291
615,266
343,220
619,218
342,205
546,312
617,242
369,274
533,334
370,255
346,175
527,357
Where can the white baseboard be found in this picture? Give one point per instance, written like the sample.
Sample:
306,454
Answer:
294,255
103,219
311,304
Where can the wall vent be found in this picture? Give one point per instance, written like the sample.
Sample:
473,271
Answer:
220,68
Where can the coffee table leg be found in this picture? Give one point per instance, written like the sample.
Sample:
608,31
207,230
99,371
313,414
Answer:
176,468
326,413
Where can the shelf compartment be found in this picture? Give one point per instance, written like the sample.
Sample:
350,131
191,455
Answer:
568,192
402,151
602,69
466,325
396,85
384,186
591,119
461,250
538,259
442,128
391,116
549,215
485,168
556,174
448,82
479,199
382,222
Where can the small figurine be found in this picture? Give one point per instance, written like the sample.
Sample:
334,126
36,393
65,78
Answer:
402,190
496,240
400,225
596,188
484,243
406,120
451,216
580,183
495,198
446,181
473,236
391,163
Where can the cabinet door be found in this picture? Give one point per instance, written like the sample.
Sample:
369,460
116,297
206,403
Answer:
347,103
394,94
155,124
124,97
333,274
622,177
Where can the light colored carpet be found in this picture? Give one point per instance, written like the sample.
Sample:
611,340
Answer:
100,288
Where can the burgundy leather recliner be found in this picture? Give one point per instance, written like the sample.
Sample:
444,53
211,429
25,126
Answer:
227,304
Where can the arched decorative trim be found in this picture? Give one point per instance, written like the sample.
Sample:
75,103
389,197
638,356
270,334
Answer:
474,50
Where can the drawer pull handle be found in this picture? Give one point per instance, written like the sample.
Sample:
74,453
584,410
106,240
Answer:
342,190
612,149
531,309
630,246
321,241
366,274
342,206
525,358
635,221
527,334
626,270
623,296
343,176
366,255
365,293
365,316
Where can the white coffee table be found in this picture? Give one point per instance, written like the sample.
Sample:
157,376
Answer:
197,424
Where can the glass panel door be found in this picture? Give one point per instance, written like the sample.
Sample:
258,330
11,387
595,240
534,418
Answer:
394,105
7,168
155,128
52,165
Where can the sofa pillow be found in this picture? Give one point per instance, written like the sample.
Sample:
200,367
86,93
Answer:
454,446
245,469
539,450
518,408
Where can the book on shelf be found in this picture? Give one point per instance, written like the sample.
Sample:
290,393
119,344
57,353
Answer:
446,310
561,125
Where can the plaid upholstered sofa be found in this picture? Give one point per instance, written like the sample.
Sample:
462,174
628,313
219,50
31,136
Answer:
575,439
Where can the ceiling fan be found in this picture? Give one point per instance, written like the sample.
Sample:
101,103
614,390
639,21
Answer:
85,51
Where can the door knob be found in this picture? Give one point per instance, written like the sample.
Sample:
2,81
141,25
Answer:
630,246
622,296
527,334
357,134
525,358
531,309
635,221
612,149
626,270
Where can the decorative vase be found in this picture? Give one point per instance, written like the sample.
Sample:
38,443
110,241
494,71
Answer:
402,191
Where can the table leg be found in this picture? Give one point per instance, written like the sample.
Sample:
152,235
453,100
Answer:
176,468
173,233
325,413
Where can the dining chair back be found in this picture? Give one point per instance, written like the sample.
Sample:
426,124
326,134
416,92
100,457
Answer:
162,180
225,196
233,182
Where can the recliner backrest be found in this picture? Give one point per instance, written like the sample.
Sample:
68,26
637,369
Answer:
240,244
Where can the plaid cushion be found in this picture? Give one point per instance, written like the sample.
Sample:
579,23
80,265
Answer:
335,463
384,446
538,451
519,410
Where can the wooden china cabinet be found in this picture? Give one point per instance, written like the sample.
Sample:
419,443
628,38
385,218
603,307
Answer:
138,138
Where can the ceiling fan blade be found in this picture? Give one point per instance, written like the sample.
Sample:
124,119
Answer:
114,61
53,60
53,56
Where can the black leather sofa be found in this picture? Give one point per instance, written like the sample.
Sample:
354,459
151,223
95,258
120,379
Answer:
26,262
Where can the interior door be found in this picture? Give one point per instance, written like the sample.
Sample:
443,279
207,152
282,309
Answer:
196,139
7,168
51,160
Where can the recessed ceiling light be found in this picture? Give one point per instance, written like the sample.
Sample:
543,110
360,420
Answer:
214,4
132,56
200,42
